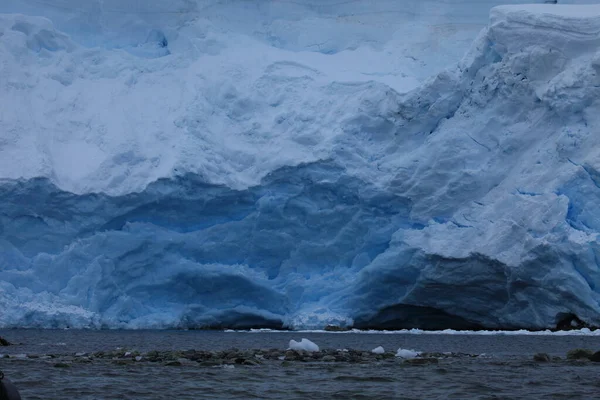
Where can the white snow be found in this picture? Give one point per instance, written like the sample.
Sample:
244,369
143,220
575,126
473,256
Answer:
407,354
243,90
304,344
378,350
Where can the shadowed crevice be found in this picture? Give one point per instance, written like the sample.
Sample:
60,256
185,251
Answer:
403,316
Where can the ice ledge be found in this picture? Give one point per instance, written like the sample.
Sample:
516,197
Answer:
569,28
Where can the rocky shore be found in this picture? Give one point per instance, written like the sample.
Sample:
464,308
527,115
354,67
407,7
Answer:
234,357
304,351
257,357
572,355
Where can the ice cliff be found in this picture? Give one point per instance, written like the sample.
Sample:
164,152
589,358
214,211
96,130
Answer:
275,164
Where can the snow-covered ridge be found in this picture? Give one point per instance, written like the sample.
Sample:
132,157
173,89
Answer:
298,191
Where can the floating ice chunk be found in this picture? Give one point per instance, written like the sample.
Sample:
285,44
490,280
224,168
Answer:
405,353
304,344
138,358
378,350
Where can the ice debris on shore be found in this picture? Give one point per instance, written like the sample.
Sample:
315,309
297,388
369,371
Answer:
242,357
407,354
304,344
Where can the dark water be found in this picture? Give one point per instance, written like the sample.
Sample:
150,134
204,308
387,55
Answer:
505,372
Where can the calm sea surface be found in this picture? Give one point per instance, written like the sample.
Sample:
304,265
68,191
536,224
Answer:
503,370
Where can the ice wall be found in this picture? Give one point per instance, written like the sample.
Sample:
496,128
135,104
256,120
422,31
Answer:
213,164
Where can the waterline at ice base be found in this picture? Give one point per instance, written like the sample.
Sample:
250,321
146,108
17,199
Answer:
297,165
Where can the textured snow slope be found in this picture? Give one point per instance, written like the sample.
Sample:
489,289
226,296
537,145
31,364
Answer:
242,87
195,169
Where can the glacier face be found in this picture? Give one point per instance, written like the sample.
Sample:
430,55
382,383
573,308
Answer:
183,251
291,165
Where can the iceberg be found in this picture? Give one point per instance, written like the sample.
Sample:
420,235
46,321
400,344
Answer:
389,166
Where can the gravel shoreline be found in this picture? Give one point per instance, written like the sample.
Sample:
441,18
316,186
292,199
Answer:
236,357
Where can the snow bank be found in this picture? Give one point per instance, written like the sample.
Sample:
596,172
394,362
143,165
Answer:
304,344
189,172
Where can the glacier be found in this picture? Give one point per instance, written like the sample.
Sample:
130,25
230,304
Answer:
292,165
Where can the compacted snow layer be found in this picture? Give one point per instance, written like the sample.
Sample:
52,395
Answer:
180,168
